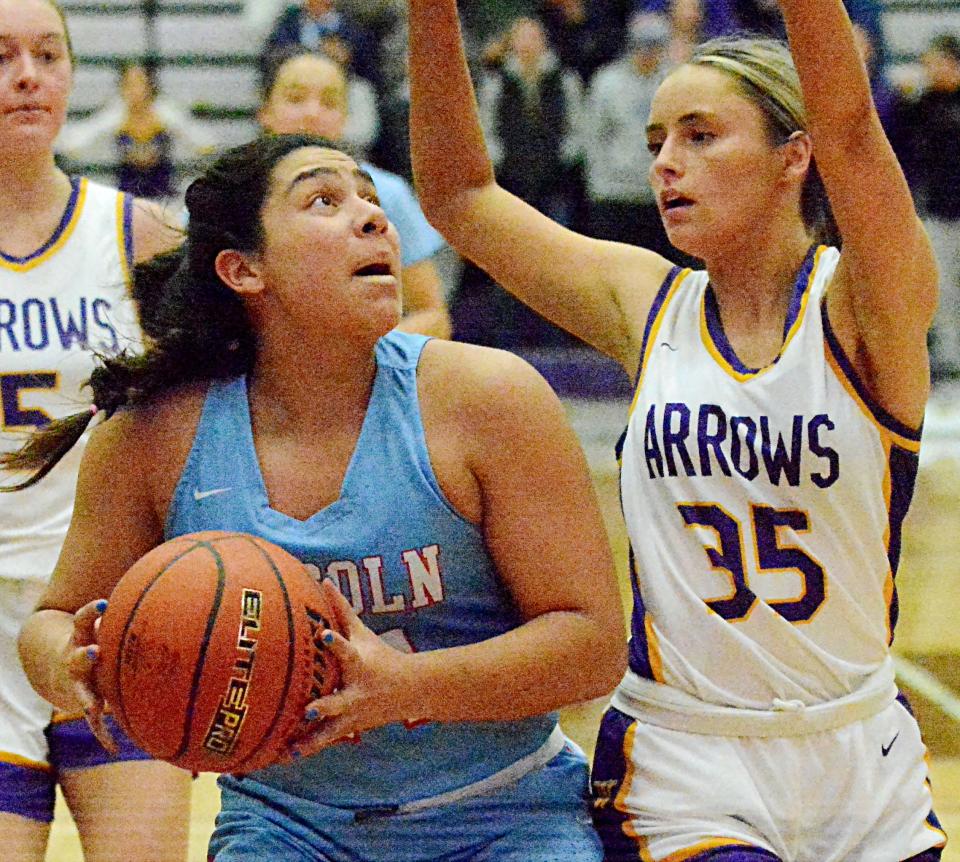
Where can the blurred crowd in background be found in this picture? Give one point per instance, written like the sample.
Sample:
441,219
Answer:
564,87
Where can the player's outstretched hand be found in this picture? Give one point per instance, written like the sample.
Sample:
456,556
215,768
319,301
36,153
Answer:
376,683
80,660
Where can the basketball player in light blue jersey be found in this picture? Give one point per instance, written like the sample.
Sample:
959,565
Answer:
66,244
434,488
770,450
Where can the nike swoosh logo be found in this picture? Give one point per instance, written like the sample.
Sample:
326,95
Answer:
202,495
885,749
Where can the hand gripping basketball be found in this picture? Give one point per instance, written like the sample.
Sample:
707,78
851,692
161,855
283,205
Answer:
379,684
81,654
211,649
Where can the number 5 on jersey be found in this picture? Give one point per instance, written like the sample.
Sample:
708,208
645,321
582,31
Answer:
771,556
15,415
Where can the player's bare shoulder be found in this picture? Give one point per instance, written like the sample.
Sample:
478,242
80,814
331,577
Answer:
483,412
477,385
150,442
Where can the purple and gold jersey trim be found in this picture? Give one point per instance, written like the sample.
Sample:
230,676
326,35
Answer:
644,649
68,222
902,434
933,824
666,292
901,445
125,235
715,339
644,659
898,484
24,762
63,717
621,805
696,850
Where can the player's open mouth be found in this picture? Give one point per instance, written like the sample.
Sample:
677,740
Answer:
674,203
374,269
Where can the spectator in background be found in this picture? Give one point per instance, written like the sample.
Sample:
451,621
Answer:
929,126
585,34
531,112
531,106
308,25
483,20
308,94
146,133
695,21
363,119
616,158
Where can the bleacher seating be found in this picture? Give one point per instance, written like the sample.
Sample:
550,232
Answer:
203,33
232,86
119,32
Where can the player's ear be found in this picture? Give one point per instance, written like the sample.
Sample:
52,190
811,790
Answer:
239,271
797,153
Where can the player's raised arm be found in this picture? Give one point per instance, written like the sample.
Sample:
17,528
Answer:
885,291
599,291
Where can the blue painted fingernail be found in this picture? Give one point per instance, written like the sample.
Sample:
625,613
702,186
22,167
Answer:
101,606
328,637
312,714
91,652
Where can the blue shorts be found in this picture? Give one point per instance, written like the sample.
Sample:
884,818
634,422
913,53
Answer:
29,790
543,817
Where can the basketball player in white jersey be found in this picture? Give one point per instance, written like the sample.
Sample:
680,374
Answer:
771,446
65,247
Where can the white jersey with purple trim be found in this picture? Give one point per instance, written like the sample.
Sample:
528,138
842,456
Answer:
58,305
764,509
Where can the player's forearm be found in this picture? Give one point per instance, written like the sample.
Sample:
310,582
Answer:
836,89
447,145
557,659
43,642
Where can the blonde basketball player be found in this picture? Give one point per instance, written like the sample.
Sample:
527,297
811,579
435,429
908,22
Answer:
65,245
770,449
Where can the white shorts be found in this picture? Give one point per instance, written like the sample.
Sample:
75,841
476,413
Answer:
23,713
857,794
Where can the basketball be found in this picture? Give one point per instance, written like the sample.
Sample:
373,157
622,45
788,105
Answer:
211,651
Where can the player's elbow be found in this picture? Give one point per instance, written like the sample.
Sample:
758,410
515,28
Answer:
454,213
605,662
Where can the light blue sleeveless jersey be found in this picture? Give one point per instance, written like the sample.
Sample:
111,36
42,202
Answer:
416,572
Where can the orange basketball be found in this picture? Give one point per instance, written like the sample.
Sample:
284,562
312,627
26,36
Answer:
211,651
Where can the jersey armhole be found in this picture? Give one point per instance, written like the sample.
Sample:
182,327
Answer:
655,318
125,235
903,434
